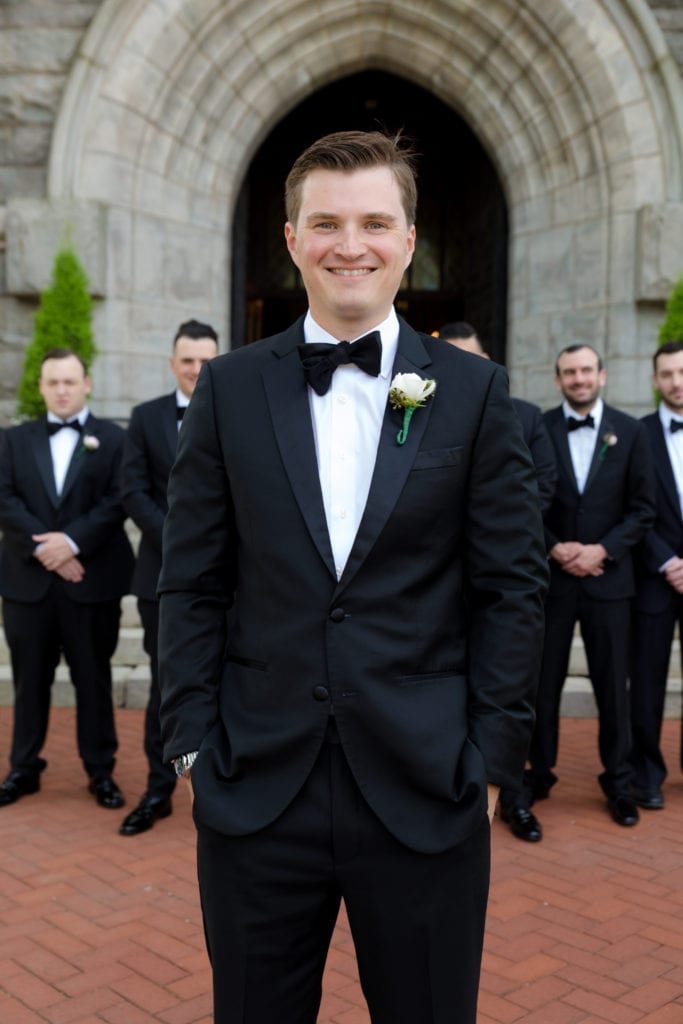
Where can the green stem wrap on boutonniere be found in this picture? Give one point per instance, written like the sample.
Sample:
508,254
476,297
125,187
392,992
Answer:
409,392
609,440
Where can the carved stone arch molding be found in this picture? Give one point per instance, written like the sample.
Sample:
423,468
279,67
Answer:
578,102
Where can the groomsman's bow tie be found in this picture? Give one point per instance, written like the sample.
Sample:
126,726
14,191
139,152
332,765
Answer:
676,425
52,428
574,424
321,360
180,412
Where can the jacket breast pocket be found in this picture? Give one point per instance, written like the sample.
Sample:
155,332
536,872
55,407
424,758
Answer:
438,458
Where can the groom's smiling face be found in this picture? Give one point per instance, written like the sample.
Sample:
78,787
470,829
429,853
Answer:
352,244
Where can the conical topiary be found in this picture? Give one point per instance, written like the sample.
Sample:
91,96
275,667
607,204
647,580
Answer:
63,320
672,328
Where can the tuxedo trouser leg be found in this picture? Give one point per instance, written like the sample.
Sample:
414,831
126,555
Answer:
32,634
89,636
605,629
270,901
161,777
652,637
561,613
417,919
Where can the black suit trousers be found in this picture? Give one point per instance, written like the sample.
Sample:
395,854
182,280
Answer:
37,634
161,777
270,902
604,628
651,651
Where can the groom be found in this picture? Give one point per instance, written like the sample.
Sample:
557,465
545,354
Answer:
350,625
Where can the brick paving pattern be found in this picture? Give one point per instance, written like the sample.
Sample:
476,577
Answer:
584,928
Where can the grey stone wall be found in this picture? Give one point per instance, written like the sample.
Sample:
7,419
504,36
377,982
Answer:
135,122
669,14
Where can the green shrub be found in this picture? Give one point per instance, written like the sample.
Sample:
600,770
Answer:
672,328
63,320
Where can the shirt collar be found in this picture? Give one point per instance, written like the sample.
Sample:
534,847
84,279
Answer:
388,329
81,417
595,412
181,400
666,415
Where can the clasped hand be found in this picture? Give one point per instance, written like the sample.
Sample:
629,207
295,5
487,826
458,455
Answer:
56,555
580,559
673,573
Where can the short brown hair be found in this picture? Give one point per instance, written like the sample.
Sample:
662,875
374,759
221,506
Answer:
669,348
63,353
351,151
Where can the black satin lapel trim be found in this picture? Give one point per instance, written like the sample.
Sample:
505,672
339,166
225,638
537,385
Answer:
605,427
663,466
287,396
392,466
78,458
43,456
559,431
170,426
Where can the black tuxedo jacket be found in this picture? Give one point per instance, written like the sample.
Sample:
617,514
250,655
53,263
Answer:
615,509
541,448
148,453
89,510
426,649
664,539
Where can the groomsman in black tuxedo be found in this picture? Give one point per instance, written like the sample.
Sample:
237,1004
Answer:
65,563
350,622
512,802
603,505
462,335
148,455
659,581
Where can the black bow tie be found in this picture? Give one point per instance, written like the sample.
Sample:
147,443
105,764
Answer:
321,360
180,412
574,424
52,428
676,425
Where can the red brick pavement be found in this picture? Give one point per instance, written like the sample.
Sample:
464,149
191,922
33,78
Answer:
584,928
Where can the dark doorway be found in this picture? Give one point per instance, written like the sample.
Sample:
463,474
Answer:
459,271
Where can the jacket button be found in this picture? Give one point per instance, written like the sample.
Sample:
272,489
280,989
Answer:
337,614
321,693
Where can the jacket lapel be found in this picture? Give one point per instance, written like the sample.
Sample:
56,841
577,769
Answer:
78,457
40,444
287,396
170,425
394,461
604,427
662,463
558,430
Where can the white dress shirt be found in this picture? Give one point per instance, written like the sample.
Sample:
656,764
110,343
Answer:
62,447
347,421
182,402
582,442
674,446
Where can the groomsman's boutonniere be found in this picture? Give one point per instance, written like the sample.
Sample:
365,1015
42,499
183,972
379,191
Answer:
90,443
608,441
409,391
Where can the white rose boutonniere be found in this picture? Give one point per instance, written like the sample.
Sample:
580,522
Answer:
90,443
409,392
609,440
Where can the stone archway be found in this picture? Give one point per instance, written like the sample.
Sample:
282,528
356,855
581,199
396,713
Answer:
578,103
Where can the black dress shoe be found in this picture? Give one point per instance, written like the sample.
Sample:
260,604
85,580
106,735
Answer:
650,799
17,784
523,823
623,810
106,792
145,814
